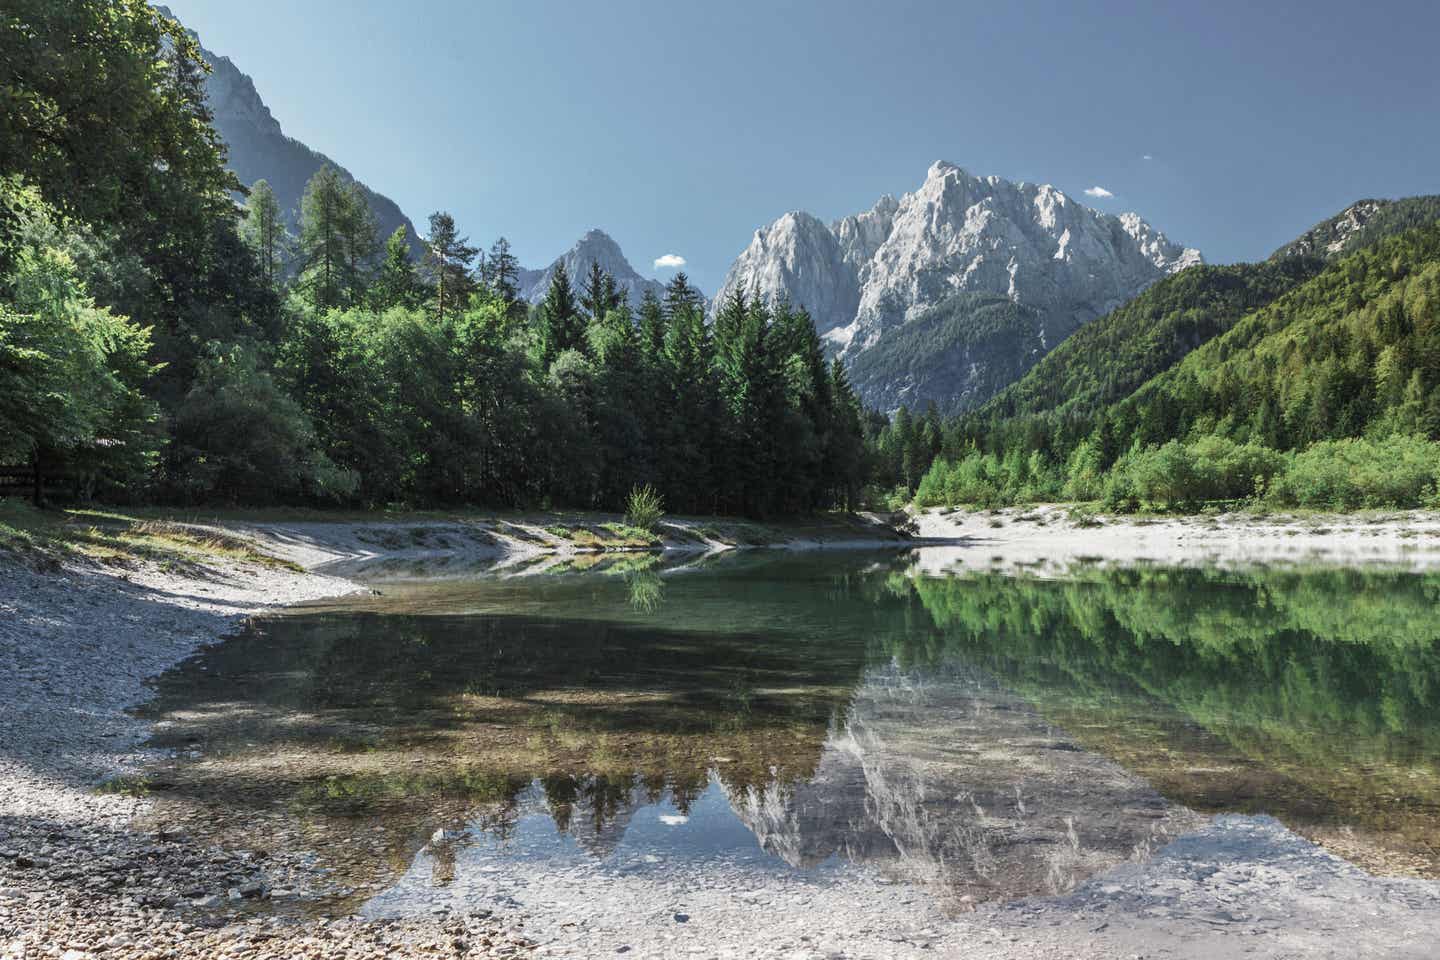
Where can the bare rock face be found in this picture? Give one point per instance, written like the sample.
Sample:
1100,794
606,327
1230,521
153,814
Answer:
869,275
798,257
1328,238
595,246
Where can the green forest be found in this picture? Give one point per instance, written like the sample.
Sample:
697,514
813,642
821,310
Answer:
160,341
164,338
1294,382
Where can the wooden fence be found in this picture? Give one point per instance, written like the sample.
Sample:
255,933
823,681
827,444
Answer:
24,482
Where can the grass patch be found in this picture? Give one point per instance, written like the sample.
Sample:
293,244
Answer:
117,538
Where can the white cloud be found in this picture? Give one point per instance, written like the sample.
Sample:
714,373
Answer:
1099,193
669,261
1148,157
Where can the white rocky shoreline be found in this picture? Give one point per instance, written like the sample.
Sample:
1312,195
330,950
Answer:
79,879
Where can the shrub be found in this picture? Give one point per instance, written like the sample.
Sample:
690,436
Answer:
1398,471
644,508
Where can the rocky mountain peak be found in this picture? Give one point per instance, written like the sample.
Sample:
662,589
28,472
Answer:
594,246
871,274
1328,238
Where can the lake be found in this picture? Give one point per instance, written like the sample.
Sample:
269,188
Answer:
763,721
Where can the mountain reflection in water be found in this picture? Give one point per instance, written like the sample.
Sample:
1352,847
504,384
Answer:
985,736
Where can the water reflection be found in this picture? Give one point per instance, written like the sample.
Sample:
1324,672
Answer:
984,736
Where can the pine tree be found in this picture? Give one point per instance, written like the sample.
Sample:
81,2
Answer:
396,282
447,263
562,325
264,232
502,271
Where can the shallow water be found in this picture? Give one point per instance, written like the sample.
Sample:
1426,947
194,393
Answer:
814,719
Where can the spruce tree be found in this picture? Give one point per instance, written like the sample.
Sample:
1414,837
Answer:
562,325
447,262
679,295
396,282
600,295
652,325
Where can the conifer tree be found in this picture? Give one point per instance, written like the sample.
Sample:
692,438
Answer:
324,220
502,271
264,232
447,262
396,283
592,293
360,234
562,325
652,325
679,295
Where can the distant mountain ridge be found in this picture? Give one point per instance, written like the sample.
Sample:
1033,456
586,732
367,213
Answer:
938,255
1220,335
595,246
1359,225
260,150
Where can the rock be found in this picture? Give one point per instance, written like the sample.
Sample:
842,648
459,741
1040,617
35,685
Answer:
865,278
595,246
682,918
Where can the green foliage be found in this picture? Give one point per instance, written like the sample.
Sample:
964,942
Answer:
644,508
264,232
328,375
71,374
337,240
102,107
240,438
447,264
1184,476
1396,471
1202,388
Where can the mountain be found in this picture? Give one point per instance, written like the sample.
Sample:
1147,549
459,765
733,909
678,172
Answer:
1353,352
260,150
1109,358
921,284
595,247
1112,358
1359,225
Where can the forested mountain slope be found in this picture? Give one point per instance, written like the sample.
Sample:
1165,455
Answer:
1355,350
1111,357
1328,395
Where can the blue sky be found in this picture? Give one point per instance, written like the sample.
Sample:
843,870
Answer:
681,127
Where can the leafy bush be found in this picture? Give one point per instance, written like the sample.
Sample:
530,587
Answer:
1181,476
644,508
1398,471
